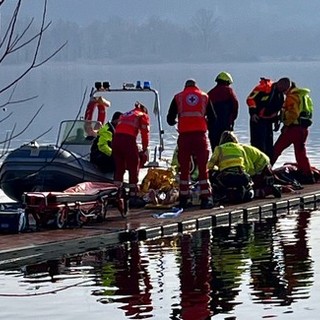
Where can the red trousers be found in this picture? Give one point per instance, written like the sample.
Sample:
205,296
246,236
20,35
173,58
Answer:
193,144
297,136
126,157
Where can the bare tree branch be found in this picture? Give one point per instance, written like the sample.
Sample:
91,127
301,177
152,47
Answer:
15,43
10,101
26,127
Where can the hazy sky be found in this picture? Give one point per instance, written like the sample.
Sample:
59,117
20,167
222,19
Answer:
274,12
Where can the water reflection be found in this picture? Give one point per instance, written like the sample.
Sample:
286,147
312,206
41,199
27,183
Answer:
195,276
229,254
281,269
190,276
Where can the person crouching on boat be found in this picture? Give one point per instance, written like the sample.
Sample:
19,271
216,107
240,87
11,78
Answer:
126,152
101,150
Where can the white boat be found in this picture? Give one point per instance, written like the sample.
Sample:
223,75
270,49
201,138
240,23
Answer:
56,167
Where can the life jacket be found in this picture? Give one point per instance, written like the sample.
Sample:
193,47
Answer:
260,100
300,104
192,103
306,108
132,122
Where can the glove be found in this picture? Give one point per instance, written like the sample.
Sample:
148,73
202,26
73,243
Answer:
143,157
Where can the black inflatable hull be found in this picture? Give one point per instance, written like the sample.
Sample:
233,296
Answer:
45,168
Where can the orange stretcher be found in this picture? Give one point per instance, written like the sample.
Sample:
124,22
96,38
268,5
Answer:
76,205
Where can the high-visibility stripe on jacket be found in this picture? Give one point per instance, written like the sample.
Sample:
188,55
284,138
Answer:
132,123
297,105
259,98
228,155
192,104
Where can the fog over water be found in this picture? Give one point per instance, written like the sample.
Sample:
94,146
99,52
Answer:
164,42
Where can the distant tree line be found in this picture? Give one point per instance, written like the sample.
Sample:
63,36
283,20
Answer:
121,40
157,40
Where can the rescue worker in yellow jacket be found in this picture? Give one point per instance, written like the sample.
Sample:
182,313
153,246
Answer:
235,162
125,149
192,106
227,170
101,150
296,117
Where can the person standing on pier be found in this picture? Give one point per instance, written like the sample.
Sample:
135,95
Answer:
225,104
192,107
125,149
296,117
265,102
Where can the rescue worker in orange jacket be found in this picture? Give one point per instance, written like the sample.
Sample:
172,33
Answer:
296,116
125,149
192,106
225,104
265,102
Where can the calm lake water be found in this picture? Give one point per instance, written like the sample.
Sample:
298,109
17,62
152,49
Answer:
61,89
257,271
251,272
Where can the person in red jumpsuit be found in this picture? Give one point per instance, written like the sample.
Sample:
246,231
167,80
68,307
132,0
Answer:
225,104
191,106
125,149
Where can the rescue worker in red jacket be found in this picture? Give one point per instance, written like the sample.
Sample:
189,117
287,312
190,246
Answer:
191,106
297,117
125,149
265,102
225,104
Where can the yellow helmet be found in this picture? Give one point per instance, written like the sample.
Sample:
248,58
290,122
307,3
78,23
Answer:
224,76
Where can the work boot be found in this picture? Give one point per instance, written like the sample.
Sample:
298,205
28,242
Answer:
206,203
184,203
136,202
276,191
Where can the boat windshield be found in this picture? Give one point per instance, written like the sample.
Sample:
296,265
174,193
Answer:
77,132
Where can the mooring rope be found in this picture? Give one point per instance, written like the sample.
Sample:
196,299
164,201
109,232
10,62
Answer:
44,292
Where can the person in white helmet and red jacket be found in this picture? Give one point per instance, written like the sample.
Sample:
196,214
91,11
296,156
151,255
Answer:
192,106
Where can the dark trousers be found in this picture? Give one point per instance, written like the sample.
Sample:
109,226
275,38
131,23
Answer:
261,136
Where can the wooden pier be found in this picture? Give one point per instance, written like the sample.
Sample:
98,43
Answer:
25,248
